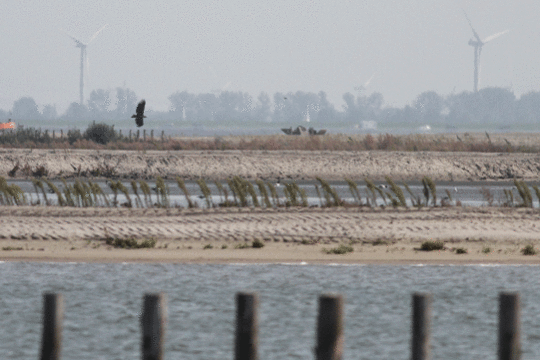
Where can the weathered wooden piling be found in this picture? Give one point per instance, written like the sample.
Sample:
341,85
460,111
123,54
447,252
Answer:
153,322
53,315
130,135
509,327
246,342
330,328
144,135
152,135
421,327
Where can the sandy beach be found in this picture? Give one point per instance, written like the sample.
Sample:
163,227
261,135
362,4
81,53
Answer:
380,236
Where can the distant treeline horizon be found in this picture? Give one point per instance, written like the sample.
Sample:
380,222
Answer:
489,106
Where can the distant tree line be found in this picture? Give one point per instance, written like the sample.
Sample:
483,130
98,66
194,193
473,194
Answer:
494,106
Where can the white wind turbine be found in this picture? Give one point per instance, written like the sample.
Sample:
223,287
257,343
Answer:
363,87
477,44
84,57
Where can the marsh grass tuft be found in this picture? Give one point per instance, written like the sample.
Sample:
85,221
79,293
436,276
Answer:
330,194
130,243
486,250
11,248
432,245
339,250
461,251
528,250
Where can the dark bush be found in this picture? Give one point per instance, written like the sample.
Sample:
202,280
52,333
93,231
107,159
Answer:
100,133
74,135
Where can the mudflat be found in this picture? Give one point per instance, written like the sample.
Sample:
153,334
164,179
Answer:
380,236
266,165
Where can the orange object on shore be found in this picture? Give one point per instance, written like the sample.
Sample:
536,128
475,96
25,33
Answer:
8,125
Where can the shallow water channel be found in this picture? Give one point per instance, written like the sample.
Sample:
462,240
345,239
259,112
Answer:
467,193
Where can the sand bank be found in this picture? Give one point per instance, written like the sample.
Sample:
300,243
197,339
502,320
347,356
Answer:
290,235
295,165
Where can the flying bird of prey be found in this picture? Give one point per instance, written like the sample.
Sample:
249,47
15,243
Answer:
139,116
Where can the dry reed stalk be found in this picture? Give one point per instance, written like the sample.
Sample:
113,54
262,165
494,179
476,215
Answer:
136,192
162,192
353,188
273,192
263,192
53,188
415,201
147,193
206,192
397,191
182,186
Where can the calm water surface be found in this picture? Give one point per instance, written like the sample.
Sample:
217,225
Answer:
103,302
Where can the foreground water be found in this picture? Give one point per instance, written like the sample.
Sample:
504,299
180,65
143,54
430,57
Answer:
103,303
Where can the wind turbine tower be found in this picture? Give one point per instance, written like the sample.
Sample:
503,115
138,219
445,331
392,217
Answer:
84,57
477,43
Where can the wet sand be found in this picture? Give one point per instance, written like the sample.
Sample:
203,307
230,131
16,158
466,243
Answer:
379,236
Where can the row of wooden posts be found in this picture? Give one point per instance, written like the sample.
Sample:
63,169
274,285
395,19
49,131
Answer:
330,338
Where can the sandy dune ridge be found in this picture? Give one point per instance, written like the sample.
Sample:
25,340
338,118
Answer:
299,234
330,165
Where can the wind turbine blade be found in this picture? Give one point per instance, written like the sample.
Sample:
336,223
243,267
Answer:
494,36
97,32
474,31
73,37
366,84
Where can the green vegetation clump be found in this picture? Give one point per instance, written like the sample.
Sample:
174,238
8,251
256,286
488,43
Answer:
461,251
432,245
339,250
100,133
130,243
11,248
528,250
486,250
257,244
208,246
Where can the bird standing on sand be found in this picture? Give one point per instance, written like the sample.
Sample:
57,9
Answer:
139,116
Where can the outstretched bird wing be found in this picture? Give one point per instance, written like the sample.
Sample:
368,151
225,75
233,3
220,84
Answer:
139,116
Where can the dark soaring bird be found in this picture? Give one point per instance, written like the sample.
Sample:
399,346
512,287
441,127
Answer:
139,116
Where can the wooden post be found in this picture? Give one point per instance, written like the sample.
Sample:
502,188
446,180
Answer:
53,135
246,341
130,135
120,134
144,135
53,314
61,134
153,321
162,136
509,326
138,134
330,328
152,135
421,327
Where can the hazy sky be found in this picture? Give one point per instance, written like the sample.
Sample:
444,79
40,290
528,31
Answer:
158,47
